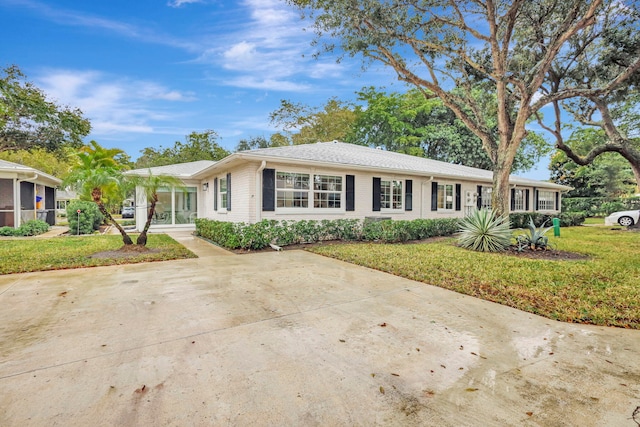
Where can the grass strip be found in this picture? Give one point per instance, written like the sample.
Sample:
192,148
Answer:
25,255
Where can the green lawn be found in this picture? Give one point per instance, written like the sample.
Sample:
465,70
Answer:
594,221
37,254
603,290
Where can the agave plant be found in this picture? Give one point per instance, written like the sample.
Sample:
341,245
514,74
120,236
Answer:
483,231
536,238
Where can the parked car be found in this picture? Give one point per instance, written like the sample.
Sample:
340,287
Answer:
624,218
128,212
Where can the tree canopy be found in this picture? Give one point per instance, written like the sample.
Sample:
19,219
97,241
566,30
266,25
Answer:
612,56
198,146
506,47
29,120
58,163
333,121
608,175
412,124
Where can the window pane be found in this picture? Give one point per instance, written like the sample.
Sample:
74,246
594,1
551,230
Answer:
397,194
445,196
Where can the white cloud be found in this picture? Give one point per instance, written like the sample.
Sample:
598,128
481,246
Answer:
253,82
113,104
268,51
179,3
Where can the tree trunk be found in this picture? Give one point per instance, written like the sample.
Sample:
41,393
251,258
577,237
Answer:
142,238
635,167
96,194
500,198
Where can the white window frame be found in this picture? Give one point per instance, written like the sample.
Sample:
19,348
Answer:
223,194
444,207
485,197
294,186
519,203
318,184
391,194
331,186
546,200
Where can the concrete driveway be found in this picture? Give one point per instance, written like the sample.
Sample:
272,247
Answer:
294,339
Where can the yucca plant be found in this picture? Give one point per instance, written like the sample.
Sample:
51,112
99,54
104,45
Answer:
536,238
483,231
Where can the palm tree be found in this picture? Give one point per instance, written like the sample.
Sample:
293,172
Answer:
98,172
151,184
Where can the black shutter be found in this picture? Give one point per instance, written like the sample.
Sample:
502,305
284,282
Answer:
229,191
557,200
434,196
526,200
376,194
408,195
458,197
215,194
351,193
268,190
513,199
479,200
536,204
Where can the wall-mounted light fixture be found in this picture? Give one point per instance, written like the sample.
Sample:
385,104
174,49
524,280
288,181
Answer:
205,186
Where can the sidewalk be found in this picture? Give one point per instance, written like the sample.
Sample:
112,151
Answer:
54,231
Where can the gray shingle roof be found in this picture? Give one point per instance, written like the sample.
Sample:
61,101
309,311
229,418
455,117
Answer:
179,170
18,168
339,153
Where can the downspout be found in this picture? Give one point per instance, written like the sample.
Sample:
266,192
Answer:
258,193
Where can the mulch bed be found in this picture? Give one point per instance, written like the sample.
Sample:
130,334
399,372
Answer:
129,251
548,254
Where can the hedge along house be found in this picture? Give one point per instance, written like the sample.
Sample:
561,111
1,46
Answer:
332,180
25,194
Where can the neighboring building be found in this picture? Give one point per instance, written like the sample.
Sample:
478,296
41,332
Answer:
333,180
63,198
25,194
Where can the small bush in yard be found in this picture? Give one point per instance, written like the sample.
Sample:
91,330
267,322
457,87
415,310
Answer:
33,228
483,231
7,231
29,228
89,218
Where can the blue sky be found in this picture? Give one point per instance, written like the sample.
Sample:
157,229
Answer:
147,73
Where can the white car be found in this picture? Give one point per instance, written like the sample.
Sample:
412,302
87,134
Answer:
624,218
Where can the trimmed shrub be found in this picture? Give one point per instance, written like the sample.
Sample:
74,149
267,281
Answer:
571,219
599,206
259,235
567,219
7,231
89,218
32,228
